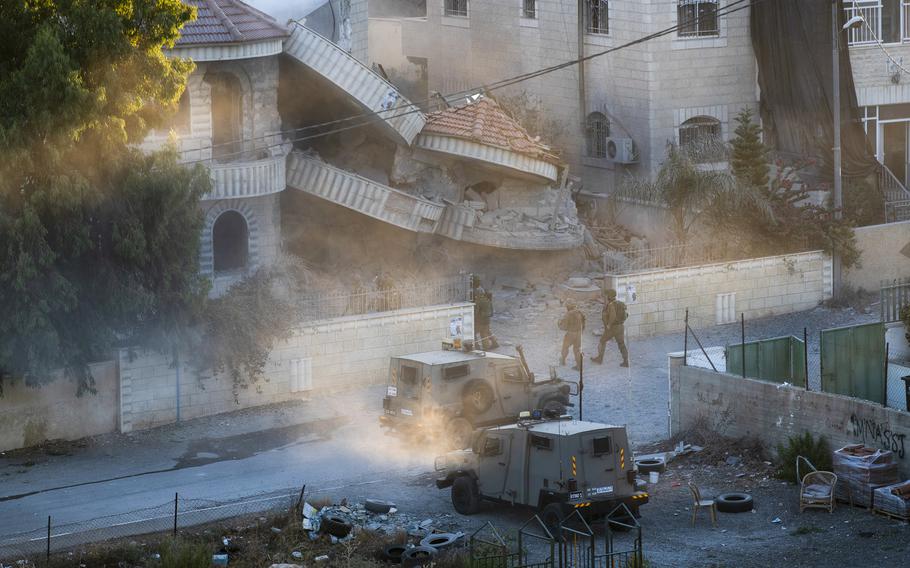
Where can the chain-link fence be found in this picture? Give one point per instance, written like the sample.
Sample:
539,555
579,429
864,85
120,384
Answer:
172,516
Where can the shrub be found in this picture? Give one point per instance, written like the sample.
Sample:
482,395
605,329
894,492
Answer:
815,450
176,553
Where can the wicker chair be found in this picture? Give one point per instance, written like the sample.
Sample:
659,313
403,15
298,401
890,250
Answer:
816,488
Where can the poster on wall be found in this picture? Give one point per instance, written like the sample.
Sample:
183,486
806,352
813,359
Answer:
628,294
456,328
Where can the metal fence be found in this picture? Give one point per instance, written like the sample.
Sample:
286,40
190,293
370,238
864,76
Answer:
894,296
172,516
630,260
385,298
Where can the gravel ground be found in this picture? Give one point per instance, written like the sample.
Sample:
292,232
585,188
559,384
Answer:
637,397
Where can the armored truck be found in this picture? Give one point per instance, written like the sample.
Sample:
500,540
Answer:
449,393
553,466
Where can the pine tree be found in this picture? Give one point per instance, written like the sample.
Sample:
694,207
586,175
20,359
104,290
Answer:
750,156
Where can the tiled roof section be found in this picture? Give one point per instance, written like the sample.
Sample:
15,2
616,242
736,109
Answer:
228,21
485,122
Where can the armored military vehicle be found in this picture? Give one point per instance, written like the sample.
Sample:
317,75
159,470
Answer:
554,466
451,392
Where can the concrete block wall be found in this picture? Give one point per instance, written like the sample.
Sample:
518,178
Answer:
883,249
338,354
29,416
738,407
872,72
762,287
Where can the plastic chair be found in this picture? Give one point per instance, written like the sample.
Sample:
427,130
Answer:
816,488
698,503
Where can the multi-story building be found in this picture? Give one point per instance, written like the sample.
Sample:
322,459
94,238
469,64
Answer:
615,115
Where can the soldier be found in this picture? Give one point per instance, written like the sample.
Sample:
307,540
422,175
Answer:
483,312
573,323
614,315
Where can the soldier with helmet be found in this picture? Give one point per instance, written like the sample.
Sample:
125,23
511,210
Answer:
573,323
614,316
483,313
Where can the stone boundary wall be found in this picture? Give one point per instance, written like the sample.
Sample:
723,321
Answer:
882,248
758,287
324,356
29,416
738,407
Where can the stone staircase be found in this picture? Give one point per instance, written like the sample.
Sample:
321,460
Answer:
373,92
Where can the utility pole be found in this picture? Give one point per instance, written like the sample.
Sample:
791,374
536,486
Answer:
838,198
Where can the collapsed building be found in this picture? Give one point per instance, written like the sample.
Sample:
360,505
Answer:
272,107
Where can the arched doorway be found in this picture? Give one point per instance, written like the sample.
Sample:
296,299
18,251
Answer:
230,242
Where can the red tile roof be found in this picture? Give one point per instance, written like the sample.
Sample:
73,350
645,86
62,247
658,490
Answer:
228,21
485,122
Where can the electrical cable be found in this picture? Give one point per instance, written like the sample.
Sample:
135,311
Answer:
880,44
376,116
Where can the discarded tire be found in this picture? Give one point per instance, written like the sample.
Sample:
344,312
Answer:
393,552
734,502
478,396
648,465
440,541
554,408
377,506
465,496
336,526
418,556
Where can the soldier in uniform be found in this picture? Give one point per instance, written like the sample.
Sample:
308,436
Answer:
614,315
573,323
483,312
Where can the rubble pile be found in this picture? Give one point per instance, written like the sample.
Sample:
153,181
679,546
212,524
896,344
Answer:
373,516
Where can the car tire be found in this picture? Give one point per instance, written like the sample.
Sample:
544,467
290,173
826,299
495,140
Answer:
734,502
377,506
478,396
418,556
336,526
552,516
554,407
648,465
465,496
392,553
458,433
440,541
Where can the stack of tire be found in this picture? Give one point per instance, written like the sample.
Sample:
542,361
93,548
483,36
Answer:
424,553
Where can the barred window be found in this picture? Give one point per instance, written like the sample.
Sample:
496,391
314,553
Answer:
597,16
457,8
529,9
598,127
697,18
699,130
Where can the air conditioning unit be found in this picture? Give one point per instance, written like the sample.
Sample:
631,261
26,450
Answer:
622,151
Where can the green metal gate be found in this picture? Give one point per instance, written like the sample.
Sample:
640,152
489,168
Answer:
777,360
853,361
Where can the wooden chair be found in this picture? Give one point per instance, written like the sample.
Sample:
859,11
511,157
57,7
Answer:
698,503
816,488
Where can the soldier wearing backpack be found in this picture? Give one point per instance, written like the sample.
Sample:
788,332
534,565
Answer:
614,316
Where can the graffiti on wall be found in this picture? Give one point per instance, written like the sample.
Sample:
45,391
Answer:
879,433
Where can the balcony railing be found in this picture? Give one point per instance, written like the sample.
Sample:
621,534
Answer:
871,12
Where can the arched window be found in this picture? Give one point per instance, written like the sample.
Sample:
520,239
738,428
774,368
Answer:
230,242
227,115
699,130
598,127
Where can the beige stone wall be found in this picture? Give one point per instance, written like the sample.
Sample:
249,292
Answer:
872,71
29,416
881,259
321,356
760,287
739,407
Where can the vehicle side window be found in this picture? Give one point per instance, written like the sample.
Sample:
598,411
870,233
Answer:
540,442
408,375
491,447
513,374
602,446
456,372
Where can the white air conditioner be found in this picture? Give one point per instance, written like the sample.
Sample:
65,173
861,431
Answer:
621,151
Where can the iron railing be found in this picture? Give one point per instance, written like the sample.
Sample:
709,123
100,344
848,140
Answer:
627,261
385,297
871,12
894,296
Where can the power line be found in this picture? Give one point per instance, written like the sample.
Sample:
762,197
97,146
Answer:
880,44
375,116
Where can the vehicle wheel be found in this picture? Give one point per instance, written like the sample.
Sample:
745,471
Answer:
554,407
377,506
336,526
465,497
478,396
651,464
440,541
418,556
734,502
458,433
393,552
552,516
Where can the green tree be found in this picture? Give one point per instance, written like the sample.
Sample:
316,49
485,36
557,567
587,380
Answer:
749,162
99,241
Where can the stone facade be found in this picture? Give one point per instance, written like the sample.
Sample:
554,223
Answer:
646,91
718,293
885,253
322,356
739,407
